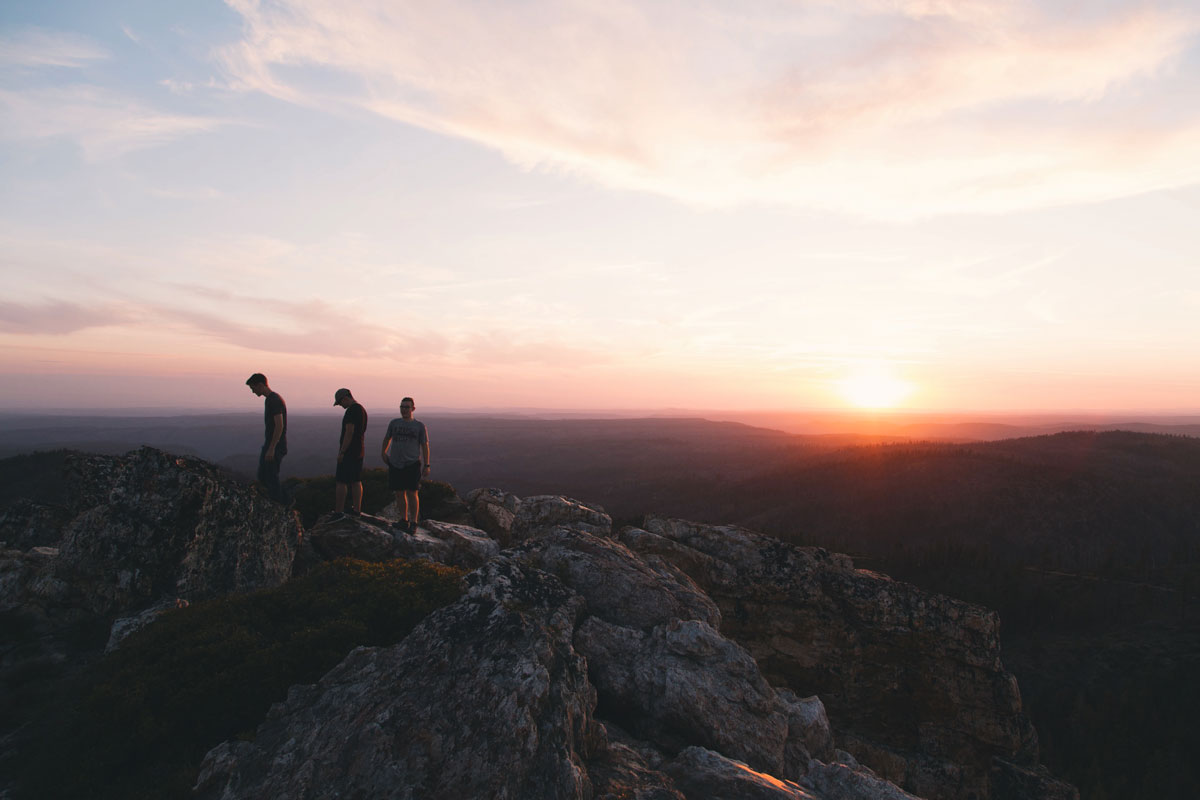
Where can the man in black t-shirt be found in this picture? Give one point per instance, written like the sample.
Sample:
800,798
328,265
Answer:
350,453
275,438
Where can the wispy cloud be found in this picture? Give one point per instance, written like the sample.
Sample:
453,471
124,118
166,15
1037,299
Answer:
34,47
886,107
103,122
59,317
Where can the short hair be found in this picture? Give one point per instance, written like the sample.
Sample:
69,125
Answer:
257,377
404,400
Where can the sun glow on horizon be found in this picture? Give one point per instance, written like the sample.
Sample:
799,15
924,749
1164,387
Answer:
874,387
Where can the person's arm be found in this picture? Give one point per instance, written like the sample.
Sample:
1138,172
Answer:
387,439
276,433
347,437
425,453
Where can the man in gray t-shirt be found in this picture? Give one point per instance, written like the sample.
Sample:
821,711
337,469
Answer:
406,452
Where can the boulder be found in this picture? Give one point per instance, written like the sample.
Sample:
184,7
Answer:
619,586
808,727
672,685
372,538
543,514
469,547
421,545
704,775
149,525
365,537
125,627
493,511
25,524
849,781
485,698
913,681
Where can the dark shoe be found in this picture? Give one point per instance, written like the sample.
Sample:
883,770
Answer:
400,526
353,513
336,516
412,528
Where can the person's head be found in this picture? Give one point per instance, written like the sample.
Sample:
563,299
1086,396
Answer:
343,398
258,384
407,406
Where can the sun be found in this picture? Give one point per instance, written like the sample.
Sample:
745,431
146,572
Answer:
874,387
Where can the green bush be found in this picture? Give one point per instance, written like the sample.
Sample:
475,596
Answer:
148,713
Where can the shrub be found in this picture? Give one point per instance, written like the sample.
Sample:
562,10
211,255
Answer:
147,714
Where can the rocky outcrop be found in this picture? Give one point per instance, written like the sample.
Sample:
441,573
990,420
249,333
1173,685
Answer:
138,528
510,692
913,682
373,538
703,774
510,519
493,511
486,698
675,661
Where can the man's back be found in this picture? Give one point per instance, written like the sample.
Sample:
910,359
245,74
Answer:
273,406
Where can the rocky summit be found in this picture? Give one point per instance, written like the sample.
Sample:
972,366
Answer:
670,660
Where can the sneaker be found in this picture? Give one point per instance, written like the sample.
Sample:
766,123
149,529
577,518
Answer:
412,528
336,516
400,526
353,513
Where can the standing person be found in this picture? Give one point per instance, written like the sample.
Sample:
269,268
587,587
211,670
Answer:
409,448
350,453
275,443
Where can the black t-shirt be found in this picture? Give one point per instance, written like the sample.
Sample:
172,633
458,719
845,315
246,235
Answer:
274,405
355,415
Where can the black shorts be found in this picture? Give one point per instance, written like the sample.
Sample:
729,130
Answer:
406,478
349,470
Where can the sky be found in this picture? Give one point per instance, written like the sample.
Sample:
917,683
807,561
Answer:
968,205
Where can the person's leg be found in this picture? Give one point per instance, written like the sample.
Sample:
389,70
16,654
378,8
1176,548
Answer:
268,476
339,497
412,504
356,497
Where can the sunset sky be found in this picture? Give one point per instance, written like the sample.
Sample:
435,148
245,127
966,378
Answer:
934,204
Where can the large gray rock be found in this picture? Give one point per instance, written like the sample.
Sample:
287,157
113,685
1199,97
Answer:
150,525
365,537
849,781
618,585
705,775
493,511
372,538
543,514
683,684
496,696
913,681
486,698
469,547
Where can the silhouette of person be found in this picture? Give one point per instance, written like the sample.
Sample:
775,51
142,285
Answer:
275,442
348,477
405,447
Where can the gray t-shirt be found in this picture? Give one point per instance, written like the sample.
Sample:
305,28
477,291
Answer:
407,436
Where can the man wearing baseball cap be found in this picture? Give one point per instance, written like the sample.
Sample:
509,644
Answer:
350,454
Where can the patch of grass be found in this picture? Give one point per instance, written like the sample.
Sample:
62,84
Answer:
142,721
